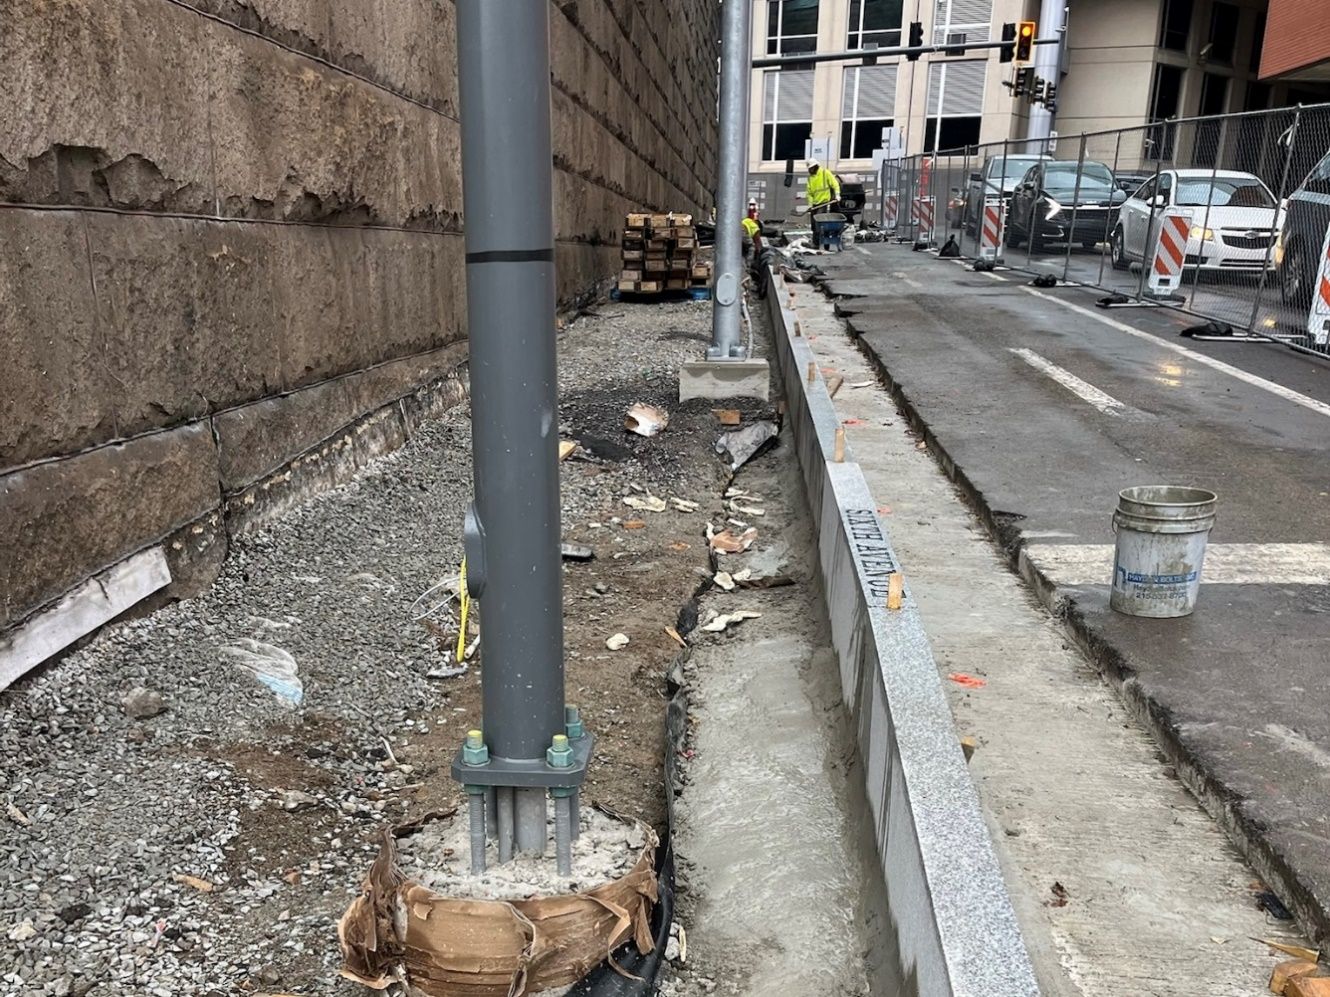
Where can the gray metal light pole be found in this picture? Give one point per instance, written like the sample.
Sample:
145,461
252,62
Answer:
735,73
512,531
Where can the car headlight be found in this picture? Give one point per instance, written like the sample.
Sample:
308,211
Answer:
1054,209
1204,234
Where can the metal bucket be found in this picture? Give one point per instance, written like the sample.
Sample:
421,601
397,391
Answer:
1161,532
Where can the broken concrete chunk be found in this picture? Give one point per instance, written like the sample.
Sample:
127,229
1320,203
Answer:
723,579
576,552
294,799
140,703
739,447
683,505
725,620
651,503
646,420
22,931
617,642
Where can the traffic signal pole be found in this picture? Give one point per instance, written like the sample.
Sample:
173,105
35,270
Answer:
1047,66
858,54
726,310
512,530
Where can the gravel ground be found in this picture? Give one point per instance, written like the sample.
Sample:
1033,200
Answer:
209,849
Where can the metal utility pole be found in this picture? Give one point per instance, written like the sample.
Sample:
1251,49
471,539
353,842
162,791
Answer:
735,73
1047,66
512,529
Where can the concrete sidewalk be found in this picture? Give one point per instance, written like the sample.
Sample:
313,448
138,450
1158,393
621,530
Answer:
1042,408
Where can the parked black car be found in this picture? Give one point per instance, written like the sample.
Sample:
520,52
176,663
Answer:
1042,204
1302,237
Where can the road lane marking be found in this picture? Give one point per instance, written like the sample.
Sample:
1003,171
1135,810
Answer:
1288,394
1084,390
1225,564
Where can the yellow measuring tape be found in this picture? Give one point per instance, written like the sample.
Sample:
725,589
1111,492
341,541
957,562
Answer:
464,597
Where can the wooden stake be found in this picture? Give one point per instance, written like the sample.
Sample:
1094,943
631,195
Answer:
835,385
840,445
798,329
895,590
812,371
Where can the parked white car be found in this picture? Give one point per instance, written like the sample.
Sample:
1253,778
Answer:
1235,219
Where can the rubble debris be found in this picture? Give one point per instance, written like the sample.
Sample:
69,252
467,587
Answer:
652,503
271,665
141,704
566,448
22,932
447,671
617,642
1060,896
294,799
683,505
17,815
646,420
726,542
1288,971
724,581
727,416
1296,951
721,623
193,882
737,448
576,552
673,634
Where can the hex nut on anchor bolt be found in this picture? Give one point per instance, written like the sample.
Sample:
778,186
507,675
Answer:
475,752
559,755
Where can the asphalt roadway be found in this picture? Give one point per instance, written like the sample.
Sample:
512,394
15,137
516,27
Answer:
1042,407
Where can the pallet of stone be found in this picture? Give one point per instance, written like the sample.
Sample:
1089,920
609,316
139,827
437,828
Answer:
640,286
645,220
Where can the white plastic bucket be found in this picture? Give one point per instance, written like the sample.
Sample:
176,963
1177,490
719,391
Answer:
1161,532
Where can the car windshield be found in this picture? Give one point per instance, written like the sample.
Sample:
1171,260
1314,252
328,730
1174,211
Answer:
1236,192
1063,175
1011,168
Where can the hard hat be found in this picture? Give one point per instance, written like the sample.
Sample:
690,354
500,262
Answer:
813,162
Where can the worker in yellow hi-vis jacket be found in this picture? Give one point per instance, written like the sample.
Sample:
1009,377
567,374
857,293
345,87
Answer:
823,195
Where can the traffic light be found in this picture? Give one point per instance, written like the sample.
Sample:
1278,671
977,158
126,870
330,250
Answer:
1037,91
1024,40
916,40
1008,50
1024,78
1051,96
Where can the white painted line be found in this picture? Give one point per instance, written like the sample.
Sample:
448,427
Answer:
1084,390
1288,394
994,276
1225,564
100,599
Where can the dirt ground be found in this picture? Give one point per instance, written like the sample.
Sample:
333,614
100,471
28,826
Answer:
210,849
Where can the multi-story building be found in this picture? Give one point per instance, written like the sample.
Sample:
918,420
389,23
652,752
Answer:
1125,63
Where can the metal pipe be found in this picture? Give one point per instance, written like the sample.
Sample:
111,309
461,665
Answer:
576,806
726,330
563,834
513,561
491,815
476,808
504,806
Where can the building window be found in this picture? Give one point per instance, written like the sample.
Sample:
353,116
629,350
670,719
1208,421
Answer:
867,107
1223,34
1164,102
1257,45
1175,31
955,104
787,113
874,22
956,22
791,26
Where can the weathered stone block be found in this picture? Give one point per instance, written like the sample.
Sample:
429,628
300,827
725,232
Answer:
104,103
256,440
68,519
56,394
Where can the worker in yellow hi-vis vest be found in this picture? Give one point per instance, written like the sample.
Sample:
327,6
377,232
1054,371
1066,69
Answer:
823,195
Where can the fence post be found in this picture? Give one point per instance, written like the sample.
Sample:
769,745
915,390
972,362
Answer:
1148,247
1205,225
1075,208
1274,217
1108,218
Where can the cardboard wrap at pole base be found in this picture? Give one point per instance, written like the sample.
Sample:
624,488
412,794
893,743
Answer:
398,931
